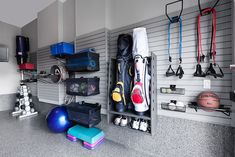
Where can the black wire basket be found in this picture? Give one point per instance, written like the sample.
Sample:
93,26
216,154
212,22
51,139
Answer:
83,86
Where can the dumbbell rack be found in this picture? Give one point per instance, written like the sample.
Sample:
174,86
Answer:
24,106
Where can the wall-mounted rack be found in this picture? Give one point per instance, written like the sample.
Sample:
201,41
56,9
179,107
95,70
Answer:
172,90
225,110
150,115
232,67
168,106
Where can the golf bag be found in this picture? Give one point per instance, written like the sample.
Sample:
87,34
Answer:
122,91
140,93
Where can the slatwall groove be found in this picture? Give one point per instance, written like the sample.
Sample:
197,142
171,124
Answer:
157,36
33,85
94,40
226,34
193,11
187,27
97,40
48,92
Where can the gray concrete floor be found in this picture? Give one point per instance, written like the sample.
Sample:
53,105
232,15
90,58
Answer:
31,138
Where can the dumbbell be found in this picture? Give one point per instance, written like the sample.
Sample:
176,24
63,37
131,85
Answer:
30,95
26,98
21,101
31,105
25,94
18,95
17,99
22,107
27,108
32,110
24,112
17,106
27,103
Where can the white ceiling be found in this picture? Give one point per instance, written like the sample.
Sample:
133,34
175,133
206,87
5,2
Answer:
21,12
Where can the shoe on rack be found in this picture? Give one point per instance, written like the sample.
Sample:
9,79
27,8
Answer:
124,121
117,120
143,126
135,124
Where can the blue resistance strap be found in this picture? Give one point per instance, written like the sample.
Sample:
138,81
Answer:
170,71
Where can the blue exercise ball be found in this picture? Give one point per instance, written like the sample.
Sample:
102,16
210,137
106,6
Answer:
57,120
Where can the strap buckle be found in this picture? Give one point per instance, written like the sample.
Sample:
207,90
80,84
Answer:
202,58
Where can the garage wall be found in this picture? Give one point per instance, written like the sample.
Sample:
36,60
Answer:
90,16
31,30
157,35
48,22
9,80
68,21
128,12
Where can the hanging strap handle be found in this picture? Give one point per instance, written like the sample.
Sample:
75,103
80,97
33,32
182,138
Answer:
174,20
170,72
200,8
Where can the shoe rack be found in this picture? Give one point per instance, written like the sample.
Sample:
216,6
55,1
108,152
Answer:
150,116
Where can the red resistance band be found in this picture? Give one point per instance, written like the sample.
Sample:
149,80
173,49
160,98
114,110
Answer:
213,35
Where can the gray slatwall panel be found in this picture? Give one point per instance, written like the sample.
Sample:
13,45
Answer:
33,86
49,93
97,40
157,36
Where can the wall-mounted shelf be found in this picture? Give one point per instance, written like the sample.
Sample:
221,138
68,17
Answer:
172,90
166,106
232,67
130,129
131,114
150,115
225,110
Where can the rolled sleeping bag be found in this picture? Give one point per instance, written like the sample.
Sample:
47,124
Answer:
140,92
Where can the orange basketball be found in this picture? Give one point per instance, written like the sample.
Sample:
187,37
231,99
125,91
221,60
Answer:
208,99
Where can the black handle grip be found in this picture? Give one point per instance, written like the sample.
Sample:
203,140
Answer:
200,8
175,18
